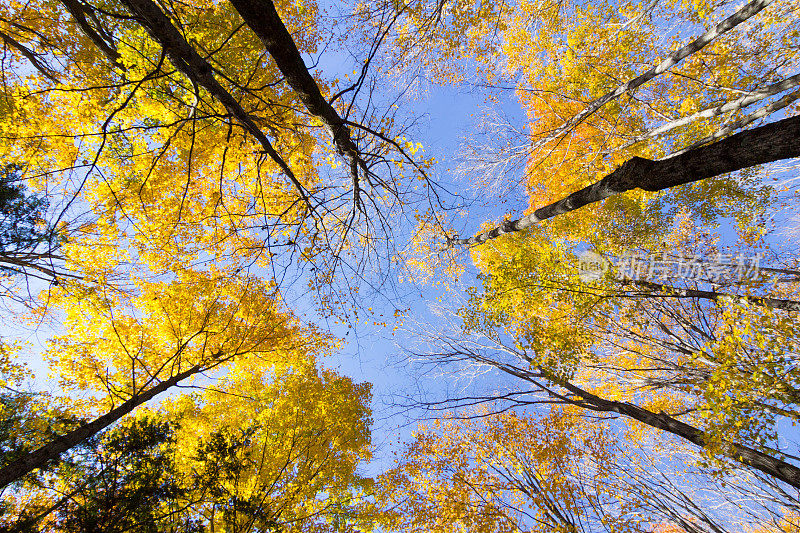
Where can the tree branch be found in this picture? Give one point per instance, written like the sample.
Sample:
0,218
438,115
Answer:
734,105
763,301
673,59
53,449
771,466
199,71
772,142
262,17
103,42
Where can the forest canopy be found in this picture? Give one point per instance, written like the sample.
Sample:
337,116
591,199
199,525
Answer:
570,228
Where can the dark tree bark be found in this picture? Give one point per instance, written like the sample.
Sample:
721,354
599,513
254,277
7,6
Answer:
262,17
99,36
765,144
188,61
45,70
763,301
52,450
771,466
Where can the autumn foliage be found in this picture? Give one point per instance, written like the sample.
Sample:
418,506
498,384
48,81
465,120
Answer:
197,199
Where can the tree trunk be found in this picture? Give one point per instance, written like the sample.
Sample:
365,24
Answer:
186,59
263,19
50,451
763,301
771,466
772,142
100,37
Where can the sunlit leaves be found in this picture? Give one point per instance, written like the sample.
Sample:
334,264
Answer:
285,445
507,473
121,345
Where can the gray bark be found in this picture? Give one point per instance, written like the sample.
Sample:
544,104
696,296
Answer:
772,142
747,11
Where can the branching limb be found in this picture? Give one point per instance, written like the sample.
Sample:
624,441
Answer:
199,71
30,56
673,59
772,142
763,301
101,38
734,105
262,17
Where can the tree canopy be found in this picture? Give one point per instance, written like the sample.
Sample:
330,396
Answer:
200,200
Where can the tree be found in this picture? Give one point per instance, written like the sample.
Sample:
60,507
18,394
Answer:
131,113
717,372
584,76
278,451
124,481
506,473
592,107
765,144
195,159
28,419
258,452
125,351
176,110
556,471
21,216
